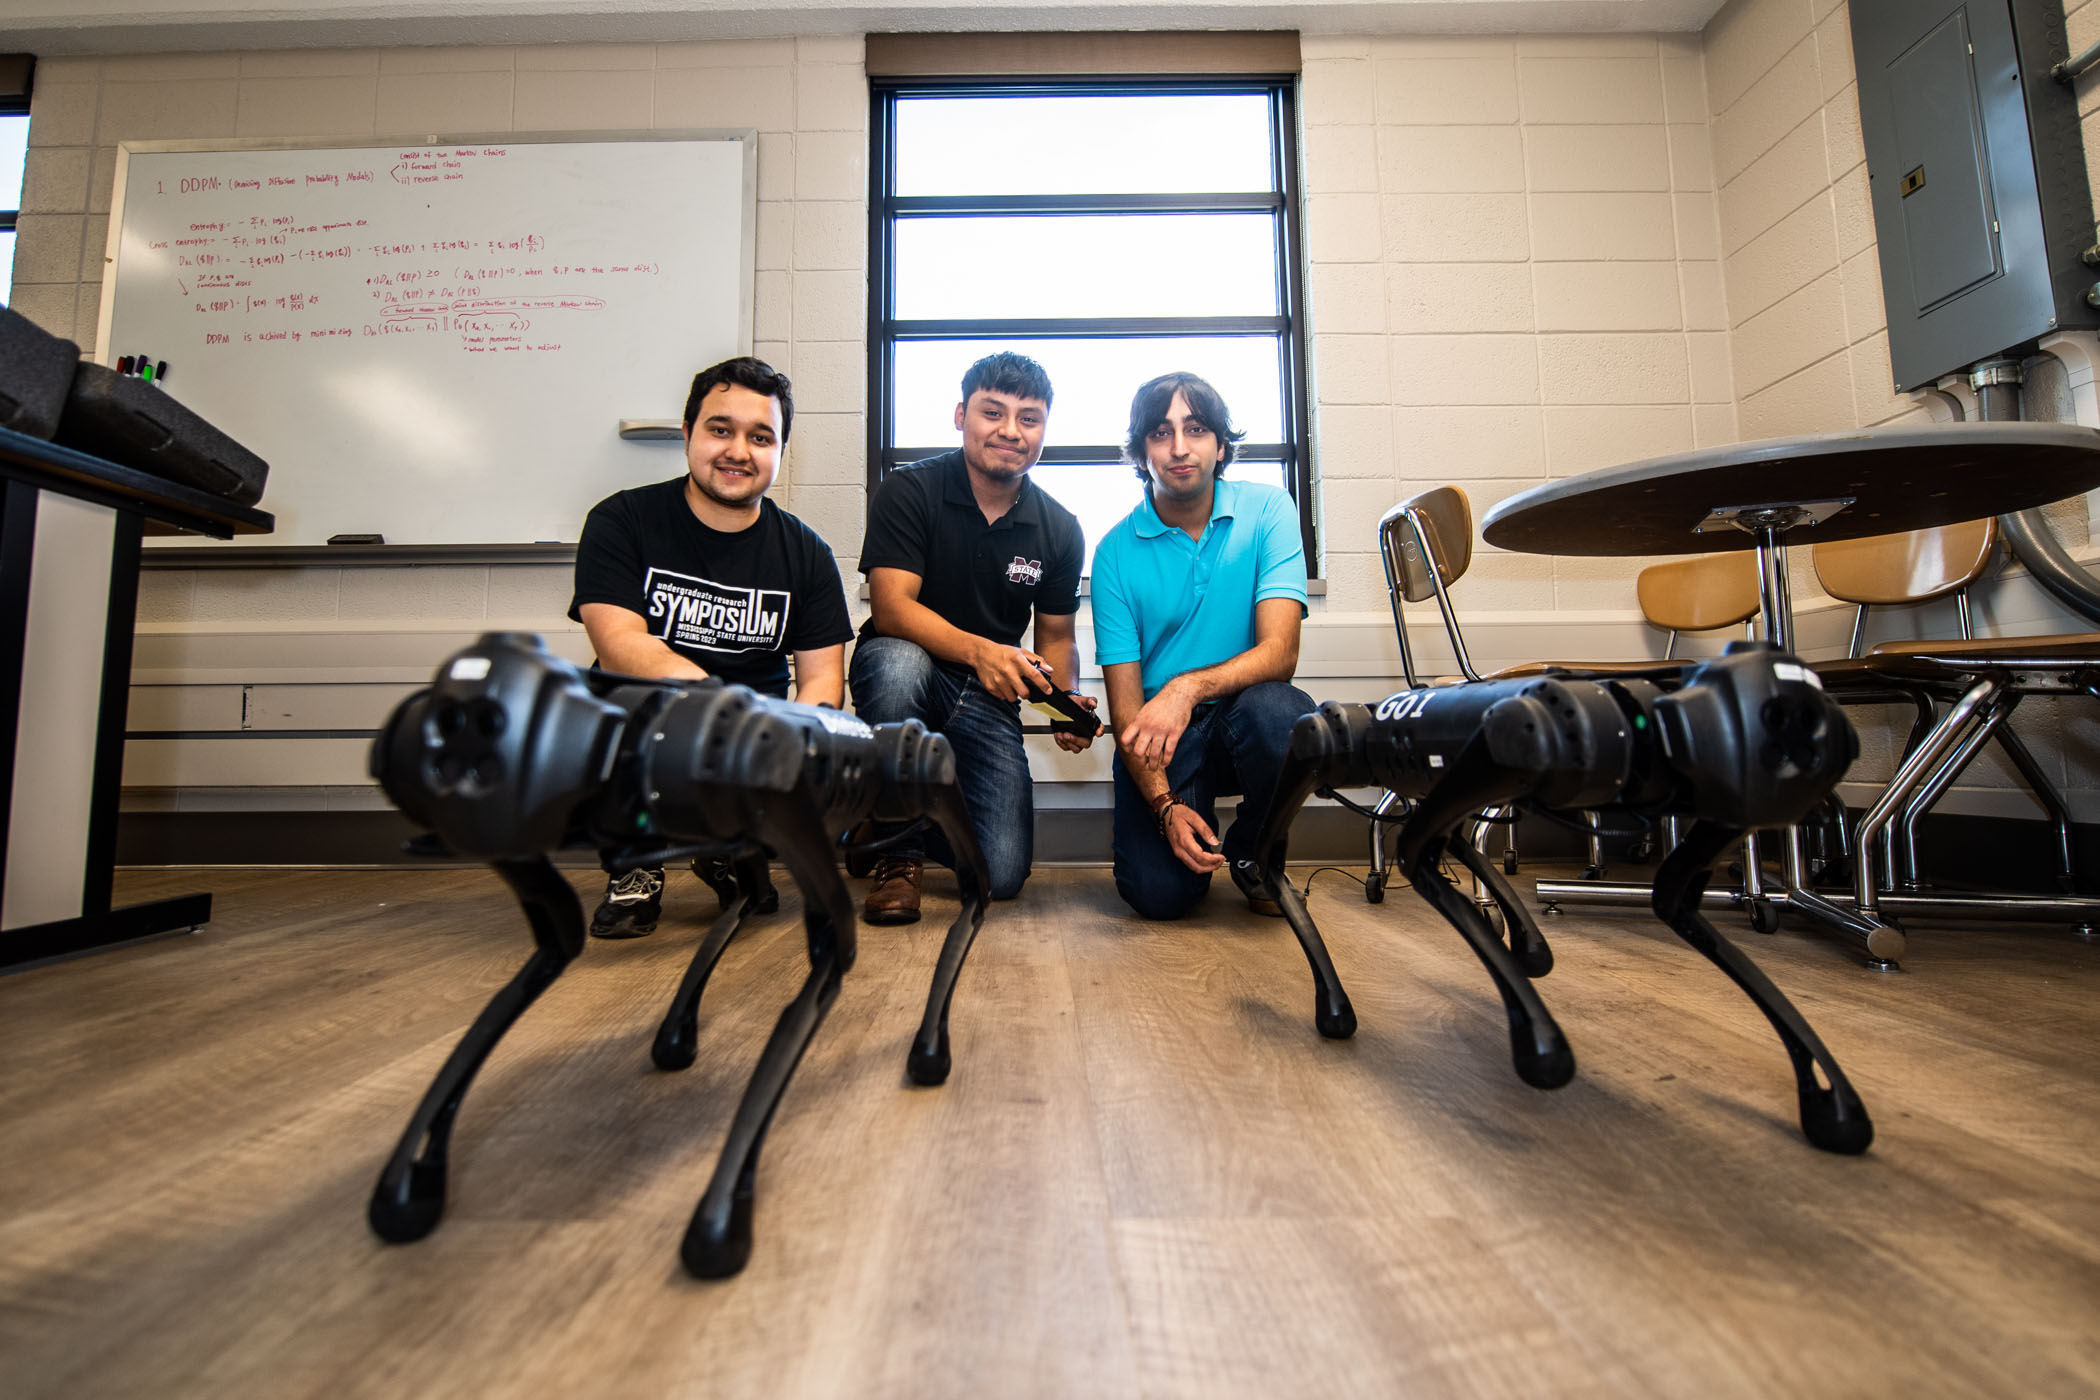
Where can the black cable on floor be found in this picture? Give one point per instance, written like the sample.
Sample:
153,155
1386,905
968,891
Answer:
1306,892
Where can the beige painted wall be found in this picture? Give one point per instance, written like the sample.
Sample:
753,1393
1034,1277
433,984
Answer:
1809,331
1515,276
1528,257
807,98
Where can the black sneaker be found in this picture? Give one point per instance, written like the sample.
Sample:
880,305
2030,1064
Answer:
633,902
720,876
1261,896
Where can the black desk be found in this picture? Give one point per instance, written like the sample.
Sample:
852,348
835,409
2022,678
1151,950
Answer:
70,527
1767,495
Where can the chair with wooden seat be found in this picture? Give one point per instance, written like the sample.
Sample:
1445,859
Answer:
1426,542
1982,681
1697,594
1918,566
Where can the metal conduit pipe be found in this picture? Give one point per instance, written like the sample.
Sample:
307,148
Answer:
2027,533
2071,68
2035,545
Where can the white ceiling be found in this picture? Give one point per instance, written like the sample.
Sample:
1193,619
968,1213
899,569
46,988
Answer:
53,27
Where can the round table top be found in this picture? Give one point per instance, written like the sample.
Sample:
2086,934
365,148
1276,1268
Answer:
1904,478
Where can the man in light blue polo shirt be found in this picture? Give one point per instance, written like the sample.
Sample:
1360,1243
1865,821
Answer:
1198,595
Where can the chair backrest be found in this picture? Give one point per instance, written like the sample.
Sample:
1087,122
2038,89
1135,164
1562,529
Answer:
1443,517
1700,593
1906,568
1427,544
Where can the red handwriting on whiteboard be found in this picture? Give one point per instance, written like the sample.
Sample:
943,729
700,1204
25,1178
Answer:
252,272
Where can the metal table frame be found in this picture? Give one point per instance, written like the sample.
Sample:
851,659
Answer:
1863,914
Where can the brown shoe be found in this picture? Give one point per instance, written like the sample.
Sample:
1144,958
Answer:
1261,896
894,899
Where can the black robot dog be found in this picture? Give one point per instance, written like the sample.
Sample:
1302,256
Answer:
513,753
1743,741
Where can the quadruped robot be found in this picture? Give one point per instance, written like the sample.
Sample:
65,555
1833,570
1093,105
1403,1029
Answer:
514,752
1746,740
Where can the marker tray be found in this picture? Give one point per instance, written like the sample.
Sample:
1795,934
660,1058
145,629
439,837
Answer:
36,370
136,424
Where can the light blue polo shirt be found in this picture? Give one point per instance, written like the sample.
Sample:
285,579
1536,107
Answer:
1178,604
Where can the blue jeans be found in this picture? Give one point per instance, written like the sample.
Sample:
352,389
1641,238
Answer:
1231,746
893,680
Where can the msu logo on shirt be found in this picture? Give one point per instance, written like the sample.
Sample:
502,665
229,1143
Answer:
1028,571
698,612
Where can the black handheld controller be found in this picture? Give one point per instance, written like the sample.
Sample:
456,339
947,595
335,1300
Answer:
1062,708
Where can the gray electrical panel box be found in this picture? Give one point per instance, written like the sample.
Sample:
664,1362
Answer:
1977,168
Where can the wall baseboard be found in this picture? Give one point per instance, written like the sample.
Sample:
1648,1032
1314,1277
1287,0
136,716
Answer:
1065,836
2001,853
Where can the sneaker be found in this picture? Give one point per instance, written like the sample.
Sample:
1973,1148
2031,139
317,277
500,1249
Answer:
894,899
633,902
1261,897
720,876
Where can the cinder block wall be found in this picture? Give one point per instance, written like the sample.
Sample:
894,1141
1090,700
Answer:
1515,274
1810,339
325,647
1528,257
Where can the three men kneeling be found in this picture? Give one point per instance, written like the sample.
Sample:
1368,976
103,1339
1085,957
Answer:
1198,596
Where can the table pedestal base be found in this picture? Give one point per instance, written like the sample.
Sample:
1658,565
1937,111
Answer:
61,936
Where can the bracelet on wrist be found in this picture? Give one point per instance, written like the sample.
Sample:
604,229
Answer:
1160,813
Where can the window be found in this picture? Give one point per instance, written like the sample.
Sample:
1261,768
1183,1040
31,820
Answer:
14,148
15,71
1113,231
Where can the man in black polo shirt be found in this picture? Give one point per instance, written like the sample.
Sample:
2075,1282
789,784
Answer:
962,551
703,576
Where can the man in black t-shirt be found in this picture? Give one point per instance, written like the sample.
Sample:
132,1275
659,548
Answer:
962,550
702,576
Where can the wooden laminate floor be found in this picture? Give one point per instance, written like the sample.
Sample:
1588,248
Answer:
1147,1175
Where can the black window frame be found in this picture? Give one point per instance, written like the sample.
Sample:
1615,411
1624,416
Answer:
17,81
1284,203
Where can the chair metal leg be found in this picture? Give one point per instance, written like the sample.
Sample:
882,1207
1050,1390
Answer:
1381,862
2052,805
1764,914
1900,862
1595,848
1866,898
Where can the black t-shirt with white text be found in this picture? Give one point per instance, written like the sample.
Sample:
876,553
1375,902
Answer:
733,604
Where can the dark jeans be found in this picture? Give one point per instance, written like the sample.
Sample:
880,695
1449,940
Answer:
1231,746
893,680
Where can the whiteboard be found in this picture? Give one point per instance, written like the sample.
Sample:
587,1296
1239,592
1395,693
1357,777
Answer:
435,340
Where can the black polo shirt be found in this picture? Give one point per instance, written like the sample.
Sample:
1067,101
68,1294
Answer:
987,579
